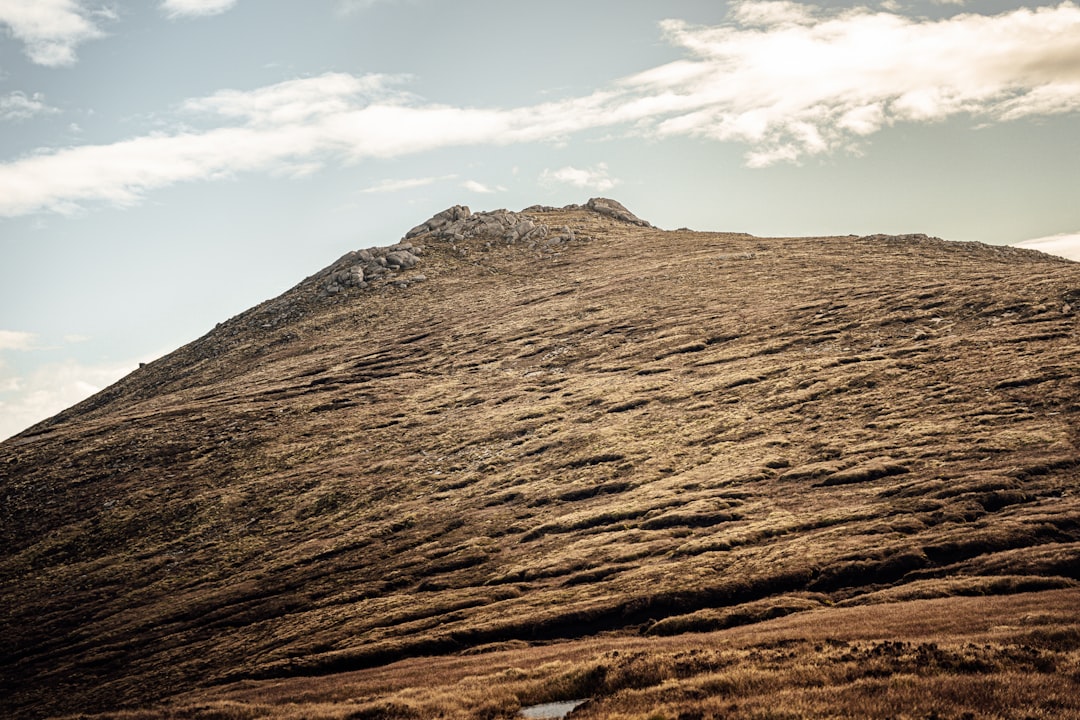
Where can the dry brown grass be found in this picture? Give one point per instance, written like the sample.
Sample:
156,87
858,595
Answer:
1012,656
646,432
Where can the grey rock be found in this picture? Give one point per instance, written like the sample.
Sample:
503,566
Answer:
518,231
615,209
418,230
537,232
401,259
449,216
907,238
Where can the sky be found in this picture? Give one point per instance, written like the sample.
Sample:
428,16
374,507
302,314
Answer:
167,164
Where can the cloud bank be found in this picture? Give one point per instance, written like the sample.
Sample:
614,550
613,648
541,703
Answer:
793,80
789,81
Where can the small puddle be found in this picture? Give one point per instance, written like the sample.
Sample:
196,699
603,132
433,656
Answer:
551,710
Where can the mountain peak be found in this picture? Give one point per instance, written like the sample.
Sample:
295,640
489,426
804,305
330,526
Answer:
506,456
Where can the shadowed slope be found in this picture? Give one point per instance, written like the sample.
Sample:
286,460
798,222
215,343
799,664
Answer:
632,430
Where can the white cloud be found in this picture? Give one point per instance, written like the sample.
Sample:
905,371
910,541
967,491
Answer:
284,126
788,80
51,388
50,30
15,340
479,187
20,106
1066,245
794,80
195,8
771,13
296,101
594,178
348,7
385,186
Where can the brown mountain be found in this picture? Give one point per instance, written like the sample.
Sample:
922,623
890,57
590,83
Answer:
562,454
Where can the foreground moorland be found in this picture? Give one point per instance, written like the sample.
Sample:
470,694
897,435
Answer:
678,474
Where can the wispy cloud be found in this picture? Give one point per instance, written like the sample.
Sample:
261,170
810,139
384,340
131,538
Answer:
296,123
1066,245
301,101
195,8
387,186
594,178
16,340
20,106
788,80
348,7
479,187
50,30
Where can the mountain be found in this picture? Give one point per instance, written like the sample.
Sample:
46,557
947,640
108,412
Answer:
562,454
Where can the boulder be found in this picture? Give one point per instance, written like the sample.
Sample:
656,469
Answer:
615,209
401,259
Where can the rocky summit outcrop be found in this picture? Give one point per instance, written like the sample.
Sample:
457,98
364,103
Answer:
458,223
362,268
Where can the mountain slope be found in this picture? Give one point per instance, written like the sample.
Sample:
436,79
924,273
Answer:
536,427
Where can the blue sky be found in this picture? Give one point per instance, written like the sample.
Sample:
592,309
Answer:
166,165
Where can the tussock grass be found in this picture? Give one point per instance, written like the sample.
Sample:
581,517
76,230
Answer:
953,657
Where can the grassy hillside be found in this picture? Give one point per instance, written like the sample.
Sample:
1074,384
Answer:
851,462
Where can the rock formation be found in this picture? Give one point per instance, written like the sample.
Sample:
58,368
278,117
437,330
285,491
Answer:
377,265
615,209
